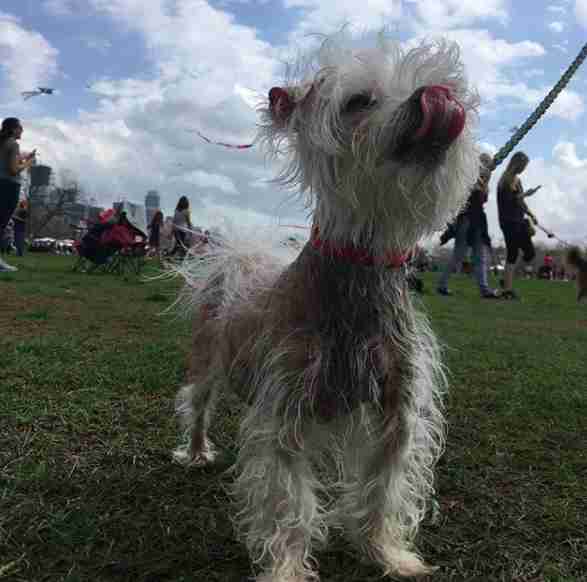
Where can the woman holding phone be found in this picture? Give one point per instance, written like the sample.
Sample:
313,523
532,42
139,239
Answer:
512,211
12,164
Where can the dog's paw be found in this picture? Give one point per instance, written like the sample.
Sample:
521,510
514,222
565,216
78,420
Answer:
400,562
187,458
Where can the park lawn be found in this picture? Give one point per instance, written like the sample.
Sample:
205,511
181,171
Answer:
89,367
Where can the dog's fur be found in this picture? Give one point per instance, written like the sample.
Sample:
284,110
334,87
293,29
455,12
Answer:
577,261
341,373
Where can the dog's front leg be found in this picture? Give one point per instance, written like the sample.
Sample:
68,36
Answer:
280,514
387,473
393,511
195,406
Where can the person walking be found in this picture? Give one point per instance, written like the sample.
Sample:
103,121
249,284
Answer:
470,229
512,212
12,164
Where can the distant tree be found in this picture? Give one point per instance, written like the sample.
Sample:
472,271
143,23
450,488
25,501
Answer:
48,217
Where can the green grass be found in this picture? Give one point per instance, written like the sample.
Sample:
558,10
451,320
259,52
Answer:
88,373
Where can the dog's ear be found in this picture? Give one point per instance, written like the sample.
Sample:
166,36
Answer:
281,105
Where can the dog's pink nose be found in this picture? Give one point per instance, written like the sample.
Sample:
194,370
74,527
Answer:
443,116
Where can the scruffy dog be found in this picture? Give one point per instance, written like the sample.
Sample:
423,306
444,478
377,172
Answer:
341,373
578,262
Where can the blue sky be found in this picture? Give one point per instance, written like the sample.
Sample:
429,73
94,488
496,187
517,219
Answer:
134,77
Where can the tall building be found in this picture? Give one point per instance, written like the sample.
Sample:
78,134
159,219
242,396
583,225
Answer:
152,204
40,182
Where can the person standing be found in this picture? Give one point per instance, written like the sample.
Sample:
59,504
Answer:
182,224
512,211
470,229
155,233
20,220
12,165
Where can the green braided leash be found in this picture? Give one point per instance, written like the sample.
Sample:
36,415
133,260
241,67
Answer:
506,150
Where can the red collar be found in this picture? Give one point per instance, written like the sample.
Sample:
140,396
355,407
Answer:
358,255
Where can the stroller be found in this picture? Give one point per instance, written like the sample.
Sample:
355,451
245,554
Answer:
112,245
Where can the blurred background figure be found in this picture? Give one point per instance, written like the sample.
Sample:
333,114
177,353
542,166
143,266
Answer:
517,229
470,229
154,229
12,164
20,222
182,225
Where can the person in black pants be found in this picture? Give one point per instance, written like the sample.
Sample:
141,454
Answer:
512,211
11,166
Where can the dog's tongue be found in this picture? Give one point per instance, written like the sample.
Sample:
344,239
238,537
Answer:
443,116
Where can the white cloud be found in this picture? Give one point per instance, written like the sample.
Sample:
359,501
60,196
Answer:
224,3
58,7
202,78
420,16
327,16
494,66
488,147
177,42
27,59
566,154
529,73
488,60
436,16
557,26
561,204
581,12
557,9
568,105
207,180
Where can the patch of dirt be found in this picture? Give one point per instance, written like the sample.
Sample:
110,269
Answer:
15,305
78,310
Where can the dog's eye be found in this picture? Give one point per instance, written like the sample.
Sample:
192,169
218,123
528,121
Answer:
358,103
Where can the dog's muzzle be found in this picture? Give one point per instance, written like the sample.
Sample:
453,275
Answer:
435,120
443,117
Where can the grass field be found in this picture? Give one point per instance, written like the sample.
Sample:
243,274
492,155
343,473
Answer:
88,373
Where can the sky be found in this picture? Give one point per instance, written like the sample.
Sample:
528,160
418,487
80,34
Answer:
136,79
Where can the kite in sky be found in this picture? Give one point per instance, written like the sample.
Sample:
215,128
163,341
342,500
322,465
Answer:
39,91
225,145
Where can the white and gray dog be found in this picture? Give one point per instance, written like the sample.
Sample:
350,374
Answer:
341,374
